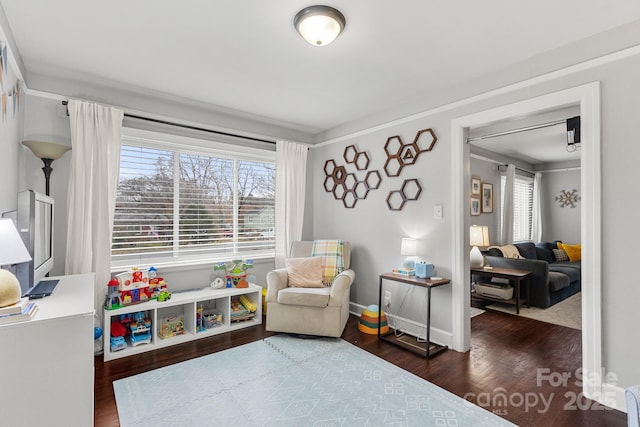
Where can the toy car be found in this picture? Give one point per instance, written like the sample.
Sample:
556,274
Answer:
164,296
118,343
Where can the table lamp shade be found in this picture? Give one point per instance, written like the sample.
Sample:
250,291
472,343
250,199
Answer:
478,236
12,251
409,247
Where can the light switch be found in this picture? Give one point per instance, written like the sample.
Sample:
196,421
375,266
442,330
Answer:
437,211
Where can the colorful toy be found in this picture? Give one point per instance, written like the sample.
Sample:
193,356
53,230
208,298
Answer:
140,329
118,331
172,325
163,296
135,286
248,304
212,319
114,299
200,319
239,311
236,271
369,321
117,343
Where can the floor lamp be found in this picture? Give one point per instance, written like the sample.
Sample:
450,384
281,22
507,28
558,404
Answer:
47,152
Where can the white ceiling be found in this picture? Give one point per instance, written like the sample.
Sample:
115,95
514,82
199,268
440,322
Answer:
535,147
246,56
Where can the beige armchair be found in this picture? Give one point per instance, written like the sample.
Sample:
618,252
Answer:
309,311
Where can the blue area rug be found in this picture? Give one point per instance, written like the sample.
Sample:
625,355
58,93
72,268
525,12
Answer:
287,381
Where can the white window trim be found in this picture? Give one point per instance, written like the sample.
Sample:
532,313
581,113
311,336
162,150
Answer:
188,145
152,139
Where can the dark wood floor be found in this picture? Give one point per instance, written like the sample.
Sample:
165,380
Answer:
506,356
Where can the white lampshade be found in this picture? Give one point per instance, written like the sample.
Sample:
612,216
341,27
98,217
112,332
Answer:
409,248
46,150
478,236
319,25
12,249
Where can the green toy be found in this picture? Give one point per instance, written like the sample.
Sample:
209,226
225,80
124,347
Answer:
236,271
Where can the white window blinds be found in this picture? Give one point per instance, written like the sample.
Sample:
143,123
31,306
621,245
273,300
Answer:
178,207
522,206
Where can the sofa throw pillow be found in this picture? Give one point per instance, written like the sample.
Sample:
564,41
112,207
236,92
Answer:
574,252
304,272
560,255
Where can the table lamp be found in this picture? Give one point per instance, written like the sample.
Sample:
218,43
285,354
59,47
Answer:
409,248
478,236
47,152
12,251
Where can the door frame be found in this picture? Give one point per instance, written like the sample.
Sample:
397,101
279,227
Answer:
587,96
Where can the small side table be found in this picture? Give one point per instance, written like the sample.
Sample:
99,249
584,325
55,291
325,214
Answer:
426,349
516,276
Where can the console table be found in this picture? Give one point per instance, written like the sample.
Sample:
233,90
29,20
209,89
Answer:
47,375
510,274
427,348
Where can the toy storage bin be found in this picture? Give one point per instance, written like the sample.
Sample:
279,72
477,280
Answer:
176,320
212,319
134,328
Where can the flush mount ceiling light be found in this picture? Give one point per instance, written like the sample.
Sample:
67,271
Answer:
319,25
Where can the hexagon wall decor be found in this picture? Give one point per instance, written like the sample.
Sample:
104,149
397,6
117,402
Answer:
346,186
409,191
400,154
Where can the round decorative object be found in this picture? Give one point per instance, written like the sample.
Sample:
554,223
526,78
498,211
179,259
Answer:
9,288
369,321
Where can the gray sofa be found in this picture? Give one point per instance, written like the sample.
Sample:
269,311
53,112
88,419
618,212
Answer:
550,281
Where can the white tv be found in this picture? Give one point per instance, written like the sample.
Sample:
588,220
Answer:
34,218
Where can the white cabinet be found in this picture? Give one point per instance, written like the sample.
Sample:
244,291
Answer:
47,362
177,320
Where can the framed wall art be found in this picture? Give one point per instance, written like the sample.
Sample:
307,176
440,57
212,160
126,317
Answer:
487,198
474,203
475,186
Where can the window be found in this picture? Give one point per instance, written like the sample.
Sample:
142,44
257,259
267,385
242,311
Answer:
522,206
181,205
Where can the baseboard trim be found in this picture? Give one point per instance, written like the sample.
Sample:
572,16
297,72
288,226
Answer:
410,327
613,397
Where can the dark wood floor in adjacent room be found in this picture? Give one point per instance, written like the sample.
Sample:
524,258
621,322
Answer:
506,355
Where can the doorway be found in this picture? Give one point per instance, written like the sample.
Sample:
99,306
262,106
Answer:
546,166
587,97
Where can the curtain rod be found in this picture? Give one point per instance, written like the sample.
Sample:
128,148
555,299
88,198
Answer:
164,122
524,129
487,159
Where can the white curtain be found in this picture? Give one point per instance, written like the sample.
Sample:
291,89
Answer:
291,173
93,180
536,214
506,233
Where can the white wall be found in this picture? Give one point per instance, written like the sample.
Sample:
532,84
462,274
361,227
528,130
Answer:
488,172
375,231
560,223
10,147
